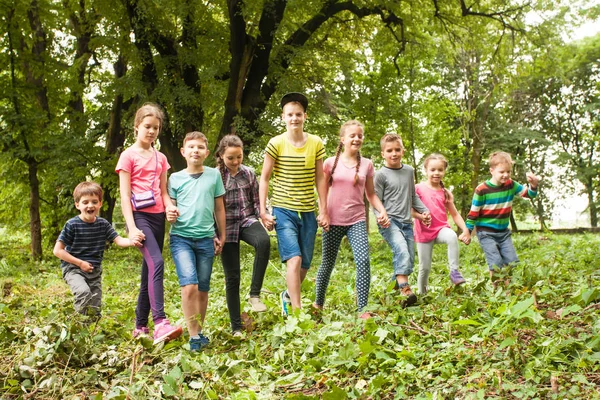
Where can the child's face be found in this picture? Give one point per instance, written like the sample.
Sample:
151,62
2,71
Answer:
147,131
435,170
195,152
233,157
392,154
353,138
501,173
294,116
89,206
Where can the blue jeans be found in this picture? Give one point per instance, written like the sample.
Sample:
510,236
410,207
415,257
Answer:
296,233
498,248
193,260
401,239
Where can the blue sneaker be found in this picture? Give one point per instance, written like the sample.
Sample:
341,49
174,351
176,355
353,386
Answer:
199,344
286,304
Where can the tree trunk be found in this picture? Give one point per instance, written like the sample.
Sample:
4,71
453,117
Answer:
513,223
589,188
35,224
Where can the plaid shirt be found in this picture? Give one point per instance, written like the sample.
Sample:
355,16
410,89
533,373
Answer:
241,202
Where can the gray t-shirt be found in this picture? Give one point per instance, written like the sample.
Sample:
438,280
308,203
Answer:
395,187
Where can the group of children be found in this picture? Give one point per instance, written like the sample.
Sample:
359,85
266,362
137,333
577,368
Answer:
211,209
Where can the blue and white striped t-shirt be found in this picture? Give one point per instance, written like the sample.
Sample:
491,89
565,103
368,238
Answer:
87,240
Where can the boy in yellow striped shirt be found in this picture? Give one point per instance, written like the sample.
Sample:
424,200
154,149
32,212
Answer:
295,159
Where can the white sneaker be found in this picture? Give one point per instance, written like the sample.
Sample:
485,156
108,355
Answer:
257,305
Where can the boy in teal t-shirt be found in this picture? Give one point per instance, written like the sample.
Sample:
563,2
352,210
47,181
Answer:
198,193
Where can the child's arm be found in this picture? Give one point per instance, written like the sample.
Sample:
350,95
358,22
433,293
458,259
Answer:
220,219
61,252
322,189
533,182
476,205
263,192
382,218
170,207
423,212
465,235
125,189
122,242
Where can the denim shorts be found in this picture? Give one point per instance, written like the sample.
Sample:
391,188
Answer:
296,233
498,248
193,260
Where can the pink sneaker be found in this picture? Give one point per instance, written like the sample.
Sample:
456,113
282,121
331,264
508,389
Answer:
165,332
139,331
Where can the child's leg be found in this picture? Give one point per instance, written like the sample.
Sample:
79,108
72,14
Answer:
330,248
448,236
153,226
507,248
425,251
358,238
256,236
400,238
205,254
230,258
190,304
79,287
489,245
95,284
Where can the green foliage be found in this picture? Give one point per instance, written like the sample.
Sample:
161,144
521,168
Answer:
536,337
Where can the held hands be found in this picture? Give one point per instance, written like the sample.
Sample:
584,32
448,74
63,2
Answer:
86,266
425,218
465,237
172,213
268,221
383,220
532,180
323,221
218,246
137,237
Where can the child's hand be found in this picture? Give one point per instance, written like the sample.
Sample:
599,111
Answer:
383,220
136,235
426,219
532,180
323,221
172,213
218,246
135,243
86,266
268,221
465,237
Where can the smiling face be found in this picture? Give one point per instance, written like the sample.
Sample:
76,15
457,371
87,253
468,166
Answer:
501,173
294,116
435,170
147,131
89,207
352,139
195,152
233,157
392,153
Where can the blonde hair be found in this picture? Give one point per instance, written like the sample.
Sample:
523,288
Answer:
500,157
227,141
87,189
352,122
438,157
389,138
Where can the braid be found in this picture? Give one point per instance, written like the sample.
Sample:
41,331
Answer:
446,195
221,167
357,168
337,157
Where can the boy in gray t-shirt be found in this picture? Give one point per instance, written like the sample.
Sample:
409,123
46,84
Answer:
80,246
395,186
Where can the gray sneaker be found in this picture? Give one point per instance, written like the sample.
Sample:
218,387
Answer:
456,277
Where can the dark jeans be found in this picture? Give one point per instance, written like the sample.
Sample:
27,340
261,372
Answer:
256,236
151,295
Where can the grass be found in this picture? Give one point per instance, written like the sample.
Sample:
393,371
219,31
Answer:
538,337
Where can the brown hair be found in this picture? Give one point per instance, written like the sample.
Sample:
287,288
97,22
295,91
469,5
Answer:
195,135
388,138
149,110
352,122
439,157
500,157
87,189
227,141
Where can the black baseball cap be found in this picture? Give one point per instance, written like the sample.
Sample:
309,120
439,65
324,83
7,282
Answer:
294,96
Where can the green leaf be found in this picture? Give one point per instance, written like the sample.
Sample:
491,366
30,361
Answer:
466,322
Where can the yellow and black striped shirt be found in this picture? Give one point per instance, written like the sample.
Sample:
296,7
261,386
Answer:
294,172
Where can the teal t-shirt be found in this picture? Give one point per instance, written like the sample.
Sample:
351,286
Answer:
195,197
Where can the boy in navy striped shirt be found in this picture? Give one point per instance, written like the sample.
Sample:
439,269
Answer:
491,208
80,246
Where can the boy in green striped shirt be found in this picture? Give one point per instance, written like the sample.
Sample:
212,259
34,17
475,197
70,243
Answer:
491,208
295,159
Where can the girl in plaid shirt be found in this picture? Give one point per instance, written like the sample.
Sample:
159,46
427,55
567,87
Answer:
242,212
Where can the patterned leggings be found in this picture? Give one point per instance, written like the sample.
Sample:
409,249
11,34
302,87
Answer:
357,236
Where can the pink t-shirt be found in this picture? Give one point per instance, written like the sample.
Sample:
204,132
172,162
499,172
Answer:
142,174
345,203
435,201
